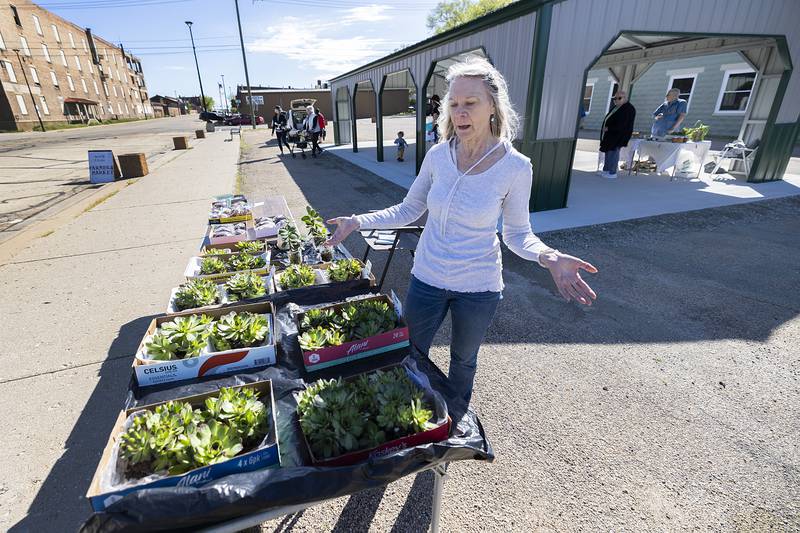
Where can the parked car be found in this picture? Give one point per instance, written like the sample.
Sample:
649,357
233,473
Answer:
243,120
210,116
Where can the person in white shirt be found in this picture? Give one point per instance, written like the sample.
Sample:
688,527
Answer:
311,125
466,183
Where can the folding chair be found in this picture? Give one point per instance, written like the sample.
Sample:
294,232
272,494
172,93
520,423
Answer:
382,240
736,151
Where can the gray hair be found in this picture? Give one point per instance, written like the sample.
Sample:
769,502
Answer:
506,123
675,91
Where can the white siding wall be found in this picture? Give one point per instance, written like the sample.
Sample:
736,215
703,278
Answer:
581,29
508,46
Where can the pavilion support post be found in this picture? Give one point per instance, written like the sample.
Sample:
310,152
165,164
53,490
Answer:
379,124
353,117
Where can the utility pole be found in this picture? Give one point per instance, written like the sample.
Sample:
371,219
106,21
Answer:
25,75
225,93
244,59
196,64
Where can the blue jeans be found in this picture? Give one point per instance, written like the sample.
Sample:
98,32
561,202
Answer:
470,314
611,162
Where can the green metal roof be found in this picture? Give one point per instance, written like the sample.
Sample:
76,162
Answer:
511,11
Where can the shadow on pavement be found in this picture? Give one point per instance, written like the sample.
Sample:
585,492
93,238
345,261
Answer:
60,504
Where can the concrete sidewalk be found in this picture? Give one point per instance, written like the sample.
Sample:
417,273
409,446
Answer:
76,304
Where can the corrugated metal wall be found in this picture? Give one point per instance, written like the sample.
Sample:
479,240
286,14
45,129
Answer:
508,46
581,29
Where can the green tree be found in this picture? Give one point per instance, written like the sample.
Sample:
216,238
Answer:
209,103
449,14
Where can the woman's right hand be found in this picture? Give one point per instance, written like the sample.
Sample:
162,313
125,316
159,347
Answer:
344,227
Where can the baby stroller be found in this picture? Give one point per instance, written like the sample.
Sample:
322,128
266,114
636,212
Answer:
296,135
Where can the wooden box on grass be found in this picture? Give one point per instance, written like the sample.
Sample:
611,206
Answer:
133,165
151,372
265,456
181,143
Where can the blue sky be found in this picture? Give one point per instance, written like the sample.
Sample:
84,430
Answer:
288,42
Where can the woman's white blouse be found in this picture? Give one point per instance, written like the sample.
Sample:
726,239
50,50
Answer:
459,249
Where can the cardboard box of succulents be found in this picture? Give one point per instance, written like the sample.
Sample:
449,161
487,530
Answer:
202,443
222,266
227,233
362,327
303,277
369,415
198,295
194,344
254,246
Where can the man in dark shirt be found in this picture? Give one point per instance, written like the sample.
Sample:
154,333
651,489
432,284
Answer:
616,132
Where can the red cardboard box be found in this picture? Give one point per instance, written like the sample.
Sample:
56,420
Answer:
358,349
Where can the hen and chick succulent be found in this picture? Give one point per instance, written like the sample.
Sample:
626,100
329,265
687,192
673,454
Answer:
296,276
174,437
357,320
188,336
344,270
339,417
196,293
244,286
235,262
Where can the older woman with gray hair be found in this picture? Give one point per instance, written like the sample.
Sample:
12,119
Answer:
466,183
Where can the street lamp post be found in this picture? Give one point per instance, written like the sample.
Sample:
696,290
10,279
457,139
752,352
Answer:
246,75
224,92
25,75
196,64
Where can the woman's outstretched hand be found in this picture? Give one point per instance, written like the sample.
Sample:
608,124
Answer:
565,271
344,227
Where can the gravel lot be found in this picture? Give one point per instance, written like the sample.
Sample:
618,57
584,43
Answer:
671,404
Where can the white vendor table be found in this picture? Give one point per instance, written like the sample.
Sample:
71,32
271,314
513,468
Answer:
681,157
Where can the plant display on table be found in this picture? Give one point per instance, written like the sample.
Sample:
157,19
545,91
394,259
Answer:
196,293
239,330
339,417
345,270
315,224
245,261
245,286
358,320
174,438
296,276
698,132
182,337
251,247
212,265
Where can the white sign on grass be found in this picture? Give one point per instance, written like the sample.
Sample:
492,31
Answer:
101,166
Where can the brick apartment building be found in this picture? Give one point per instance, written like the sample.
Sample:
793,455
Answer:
69,74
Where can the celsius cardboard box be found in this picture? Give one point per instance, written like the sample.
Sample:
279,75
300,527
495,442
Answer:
151,372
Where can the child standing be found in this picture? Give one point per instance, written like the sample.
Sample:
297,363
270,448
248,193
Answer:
401,146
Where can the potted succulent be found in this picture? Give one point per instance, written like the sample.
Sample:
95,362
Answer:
239,330
295,277
245,286
698,132
345,270
180,338
251,247
288,234
316,226
200,292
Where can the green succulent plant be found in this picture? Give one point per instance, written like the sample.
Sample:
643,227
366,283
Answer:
317,317
296,276
174,438
214,442
315,224
189,333
313,339
211,265
290,237
245,261
251,247
245,286
196,293
240,330
340,416
345,270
